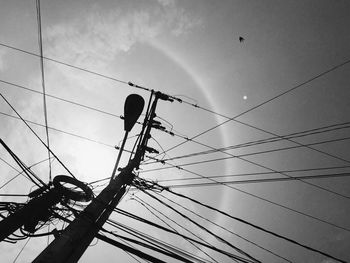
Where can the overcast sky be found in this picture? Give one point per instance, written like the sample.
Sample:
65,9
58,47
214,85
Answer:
190,49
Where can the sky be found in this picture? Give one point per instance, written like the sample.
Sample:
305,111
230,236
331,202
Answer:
290,74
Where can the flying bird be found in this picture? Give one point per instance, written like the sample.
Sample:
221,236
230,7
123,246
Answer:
241,39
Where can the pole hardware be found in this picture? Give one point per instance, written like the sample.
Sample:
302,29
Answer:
85,195
42,200
69,246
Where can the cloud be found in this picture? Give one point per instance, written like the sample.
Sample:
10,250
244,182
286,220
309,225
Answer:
99,37
328,261
2,63
167,2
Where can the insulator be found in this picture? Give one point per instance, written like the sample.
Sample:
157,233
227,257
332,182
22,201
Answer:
151,150
163,96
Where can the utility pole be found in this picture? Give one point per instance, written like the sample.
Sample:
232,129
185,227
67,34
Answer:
74,240
24,215
42,199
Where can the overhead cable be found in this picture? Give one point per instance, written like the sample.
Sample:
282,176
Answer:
314,131
256,226
203,228
262,173
135,217
264,180
148,207
36,135
265,102
224,228
42,69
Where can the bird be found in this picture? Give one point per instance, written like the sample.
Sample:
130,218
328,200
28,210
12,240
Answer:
241,39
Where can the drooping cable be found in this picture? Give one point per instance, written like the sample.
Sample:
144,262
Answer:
202,227
20,252
42,69
265,167
224,228
37,136
129,249
148,242
148,207
29,173
143,220
263,199
255,226
264,152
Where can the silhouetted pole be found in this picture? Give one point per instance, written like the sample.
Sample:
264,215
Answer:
24,215
74,240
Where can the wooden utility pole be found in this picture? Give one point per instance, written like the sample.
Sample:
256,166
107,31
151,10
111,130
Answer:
74,240
25,216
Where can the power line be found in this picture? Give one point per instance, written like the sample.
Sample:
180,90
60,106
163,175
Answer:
114,115
69,101
255,226
98,141
286,178
300,144
265,180
248,154
262,166
22,195
76,67
153,243
61,99
9,165
203,228
128,249
19,173
40,40
30,174
143,220
36,135
259,173
224,228
267,200
20,252
324,129
61,131
148,206
264,102
194,105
